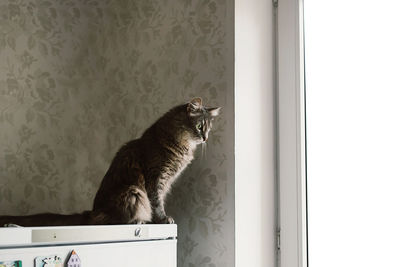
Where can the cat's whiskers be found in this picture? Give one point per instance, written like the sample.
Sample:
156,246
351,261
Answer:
203,150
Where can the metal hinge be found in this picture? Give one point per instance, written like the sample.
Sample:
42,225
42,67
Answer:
275,3
278,239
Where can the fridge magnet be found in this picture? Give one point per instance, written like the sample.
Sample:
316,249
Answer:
74,260
49,261
10,263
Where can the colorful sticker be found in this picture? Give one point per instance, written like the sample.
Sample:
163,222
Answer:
50,261
10,263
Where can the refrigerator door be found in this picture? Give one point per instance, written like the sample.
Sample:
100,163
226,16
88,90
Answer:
113,245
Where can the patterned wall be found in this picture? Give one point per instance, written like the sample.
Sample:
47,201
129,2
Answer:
80,78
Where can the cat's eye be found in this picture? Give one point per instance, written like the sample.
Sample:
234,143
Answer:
199,126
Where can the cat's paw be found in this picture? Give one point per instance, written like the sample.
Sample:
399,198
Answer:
165,220
169,220
138,222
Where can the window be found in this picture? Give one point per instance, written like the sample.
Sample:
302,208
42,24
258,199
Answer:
352,73
351,112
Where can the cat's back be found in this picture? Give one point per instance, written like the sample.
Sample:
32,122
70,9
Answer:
127,158
126,169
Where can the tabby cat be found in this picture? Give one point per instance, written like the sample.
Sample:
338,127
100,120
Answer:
134,188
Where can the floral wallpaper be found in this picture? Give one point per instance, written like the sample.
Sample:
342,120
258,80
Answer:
80,78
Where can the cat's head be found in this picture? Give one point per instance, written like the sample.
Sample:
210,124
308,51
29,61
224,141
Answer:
200,119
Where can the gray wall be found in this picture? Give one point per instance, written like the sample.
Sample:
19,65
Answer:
80,78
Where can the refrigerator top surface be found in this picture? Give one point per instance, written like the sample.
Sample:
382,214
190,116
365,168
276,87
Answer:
59,235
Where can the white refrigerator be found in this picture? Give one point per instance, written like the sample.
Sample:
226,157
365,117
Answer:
93,246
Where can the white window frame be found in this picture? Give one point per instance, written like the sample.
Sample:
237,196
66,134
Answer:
291,149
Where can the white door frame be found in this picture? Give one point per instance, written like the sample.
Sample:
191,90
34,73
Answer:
291,150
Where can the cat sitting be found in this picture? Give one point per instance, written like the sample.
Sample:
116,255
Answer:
133,189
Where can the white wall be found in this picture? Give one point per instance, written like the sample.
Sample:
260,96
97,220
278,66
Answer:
254,134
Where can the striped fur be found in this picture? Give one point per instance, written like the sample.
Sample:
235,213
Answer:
140,176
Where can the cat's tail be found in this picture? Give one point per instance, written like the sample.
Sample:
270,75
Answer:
47,219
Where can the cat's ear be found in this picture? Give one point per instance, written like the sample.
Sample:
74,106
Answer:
214,112
194,106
